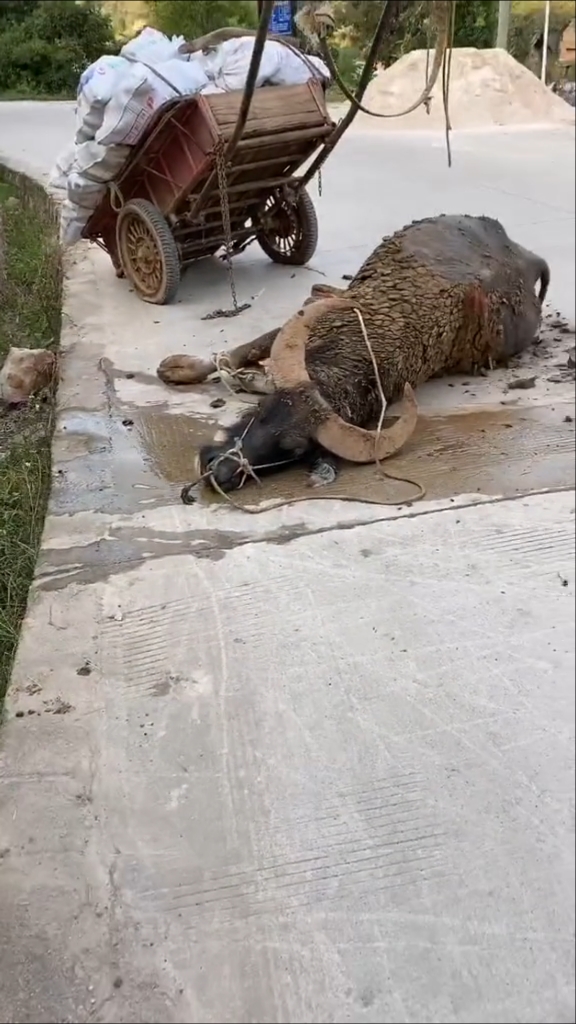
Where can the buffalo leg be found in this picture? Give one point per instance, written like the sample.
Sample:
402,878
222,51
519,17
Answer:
253,352
181,369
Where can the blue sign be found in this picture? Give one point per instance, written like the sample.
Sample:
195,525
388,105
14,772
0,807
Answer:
281,18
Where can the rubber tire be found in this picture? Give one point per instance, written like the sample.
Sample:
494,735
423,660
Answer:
309,241
165,244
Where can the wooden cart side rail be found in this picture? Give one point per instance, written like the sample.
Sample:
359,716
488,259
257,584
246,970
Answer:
162,116
204,186
178,122
281,157
219,110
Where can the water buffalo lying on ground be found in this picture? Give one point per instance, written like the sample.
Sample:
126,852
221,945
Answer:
449,294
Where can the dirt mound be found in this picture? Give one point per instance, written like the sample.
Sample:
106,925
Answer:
488,88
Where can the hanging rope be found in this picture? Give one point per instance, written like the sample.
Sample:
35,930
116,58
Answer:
386,28
446,74
442,15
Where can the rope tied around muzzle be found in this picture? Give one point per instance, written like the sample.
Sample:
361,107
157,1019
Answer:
236,453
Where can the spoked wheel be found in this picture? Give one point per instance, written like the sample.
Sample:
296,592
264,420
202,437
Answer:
288,228
148,251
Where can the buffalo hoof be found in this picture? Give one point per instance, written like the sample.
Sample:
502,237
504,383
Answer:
322,473
182,369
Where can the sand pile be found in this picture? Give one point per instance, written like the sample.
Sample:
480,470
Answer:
488,88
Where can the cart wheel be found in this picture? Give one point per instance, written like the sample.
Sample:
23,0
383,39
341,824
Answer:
288,231
148,251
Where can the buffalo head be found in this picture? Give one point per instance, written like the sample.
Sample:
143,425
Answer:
276,432
296,420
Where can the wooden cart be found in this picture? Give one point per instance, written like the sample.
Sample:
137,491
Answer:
182,194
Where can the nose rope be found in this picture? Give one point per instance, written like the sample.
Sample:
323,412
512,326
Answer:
245,467
235,454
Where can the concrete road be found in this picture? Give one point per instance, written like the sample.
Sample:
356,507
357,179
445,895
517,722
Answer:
313,765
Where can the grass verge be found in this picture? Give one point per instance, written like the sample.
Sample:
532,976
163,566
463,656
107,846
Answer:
30,305
32,97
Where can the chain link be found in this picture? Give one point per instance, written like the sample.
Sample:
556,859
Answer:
224,206
226,224
319,182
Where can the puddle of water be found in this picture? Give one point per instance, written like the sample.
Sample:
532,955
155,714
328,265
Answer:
123,463
119,465
172,441
490,451
500,452
497,452
103,466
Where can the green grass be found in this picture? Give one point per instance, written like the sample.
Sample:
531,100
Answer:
30,288
17,96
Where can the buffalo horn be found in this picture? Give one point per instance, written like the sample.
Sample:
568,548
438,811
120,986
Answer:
287,368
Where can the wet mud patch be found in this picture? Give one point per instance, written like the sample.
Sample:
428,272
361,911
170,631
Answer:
172,441
501,452
132,457
118,462
497,452
552,355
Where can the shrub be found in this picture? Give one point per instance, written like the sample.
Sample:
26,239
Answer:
46,51
527,23
193,18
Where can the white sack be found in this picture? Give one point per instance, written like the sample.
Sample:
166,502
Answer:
154,47
139,94
188,77
89,119
95,89
293,69
63,165
97,83
93,167
72,221
227,66
84,193
212,89
100,163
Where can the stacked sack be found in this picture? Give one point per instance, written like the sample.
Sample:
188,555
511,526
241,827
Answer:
227,66
117,96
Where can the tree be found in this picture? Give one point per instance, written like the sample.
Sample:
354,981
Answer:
475,25
46,51
65,21
193,18
527,25
13,11
128,16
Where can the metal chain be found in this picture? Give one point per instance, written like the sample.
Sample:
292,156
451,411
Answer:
319,182
226,224
224,206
